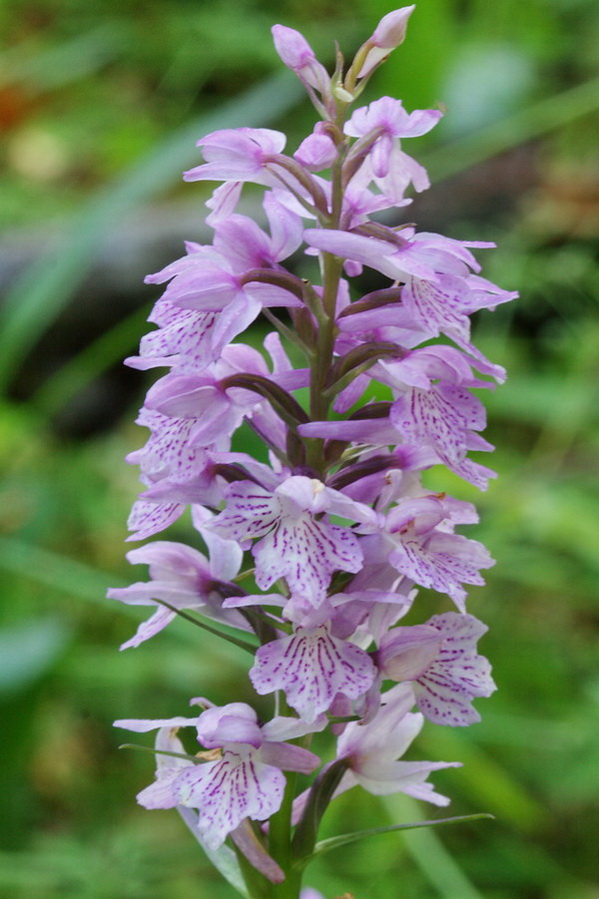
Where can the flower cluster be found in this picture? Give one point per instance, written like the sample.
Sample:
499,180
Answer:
338,528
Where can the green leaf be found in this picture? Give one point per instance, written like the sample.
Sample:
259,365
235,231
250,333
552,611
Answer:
342,840
320,796
177,755
28,651
230,638
55,570
223,859
55,66
489,781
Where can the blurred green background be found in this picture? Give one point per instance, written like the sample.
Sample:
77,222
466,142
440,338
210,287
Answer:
100,107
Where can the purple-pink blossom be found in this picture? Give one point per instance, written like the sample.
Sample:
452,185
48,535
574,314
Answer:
418,536
388,34
315,551
297,54
372,752
294,541
440,659
185,579
384,122
238,154
312,667
241,778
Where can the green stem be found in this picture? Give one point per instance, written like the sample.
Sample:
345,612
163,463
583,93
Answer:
321,365
322,360
279,839
279,832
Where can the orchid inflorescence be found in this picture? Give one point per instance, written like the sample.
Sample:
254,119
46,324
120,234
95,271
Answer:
337,530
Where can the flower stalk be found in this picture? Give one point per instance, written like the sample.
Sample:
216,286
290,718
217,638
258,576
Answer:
340,524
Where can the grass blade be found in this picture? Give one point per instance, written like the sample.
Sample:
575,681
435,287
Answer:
431,856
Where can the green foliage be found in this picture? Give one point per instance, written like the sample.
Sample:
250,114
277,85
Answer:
28,652
35,301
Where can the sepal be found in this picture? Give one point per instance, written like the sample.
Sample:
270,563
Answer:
248,843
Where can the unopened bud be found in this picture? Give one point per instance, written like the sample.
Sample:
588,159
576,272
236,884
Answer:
316,152
406,653
298,55
391,30
388,34
292,47
342,94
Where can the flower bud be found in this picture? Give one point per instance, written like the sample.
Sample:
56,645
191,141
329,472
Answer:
292,47
316,152
405,653
391,30
388,34
298,55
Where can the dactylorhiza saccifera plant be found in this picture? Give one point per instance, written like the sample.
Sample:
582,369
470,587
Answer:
311,560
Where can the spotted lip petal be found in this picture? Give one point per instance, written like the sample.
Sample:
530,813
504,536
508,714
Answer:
149,518
440,660
445,690
293,543
185,341
306,553
311,667
441,562
244,780
227,790
440,417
